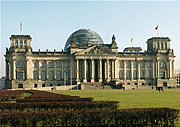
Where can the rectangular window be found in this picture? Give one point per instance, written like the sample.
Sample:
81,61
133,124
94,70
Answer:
148,64
120,75
141,65
162,74
65,64
35,75
20,75
120,65
43,64
128,65
35,65
58,65
134,64
141,74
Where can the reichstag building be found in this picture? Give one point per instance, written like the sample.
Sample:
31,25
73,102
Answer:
87,60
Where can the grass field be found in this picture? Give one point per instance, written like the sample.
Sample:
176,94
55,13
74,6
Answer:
133,98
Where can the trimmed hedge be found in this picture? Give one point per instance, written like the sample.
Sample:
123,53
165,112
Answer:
116,118
51,106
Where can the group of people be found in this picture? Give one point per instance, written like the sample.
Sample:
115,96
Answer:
160,88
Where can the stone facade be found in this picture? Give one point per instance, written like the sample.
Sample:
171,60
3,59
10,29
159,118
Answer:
88,63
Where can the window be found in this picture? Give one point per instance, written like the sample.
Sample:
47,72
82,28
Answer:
149,84
21,43
143,84
127,75
128,64
35,64
166,45
20,85
58,75
25,43
51,75
35,85
148,64
43,64
43,85
162,64
120,75
51,64
162,46
20,75
141,65
20,64
162,74
43,75
135,83
35,75
58,65
120,65
65,64
134,64
148,74
16,44
66,74
134,74
51,84
142,74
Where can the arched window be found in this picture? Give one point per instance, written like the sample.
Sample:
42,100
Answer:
58,75
127,64
16,44
142,74
35,64
127,75
25,43
43,75
120,64
148,74
51,75
43,64
134,74
35,75
20,64
21,43
120,75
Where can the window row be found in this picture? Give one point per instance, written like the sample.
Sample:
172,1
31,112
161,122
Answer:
148,64
20,43
51,64
51,75
148,75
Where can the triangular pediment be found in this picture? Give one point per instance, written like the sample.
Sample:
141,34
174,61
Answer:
95,50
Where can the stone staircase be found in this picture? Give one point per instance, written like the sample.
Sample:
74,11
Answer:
95,86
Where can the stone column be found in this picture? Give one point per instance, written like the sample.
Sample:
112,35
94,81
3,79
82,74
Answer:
153,69
124,65
54,63
100,70
113,70
92,66
77,70
108,71
85,75
116,69
14,70
158,69
62,70
47,73
39,73
105,67
145,69
170,69
131,70
167,69
138,76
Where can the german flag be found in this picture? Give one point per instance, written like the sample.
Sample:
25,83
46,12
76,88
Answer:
21,26
156,28
132,39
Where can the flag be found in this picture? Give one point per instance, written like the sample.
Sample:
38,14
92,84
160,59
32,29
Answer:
66,72
156,27
77,71
132,39
21,26
136,57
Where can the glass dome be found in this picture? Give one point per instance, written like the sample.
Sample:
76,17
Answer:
83,37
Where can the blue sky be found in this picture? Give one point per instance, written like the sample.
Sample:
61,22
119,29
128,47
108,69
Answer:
51,23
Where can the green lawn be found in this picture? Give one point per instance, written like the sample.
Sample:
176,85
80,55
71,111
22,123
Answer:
132,98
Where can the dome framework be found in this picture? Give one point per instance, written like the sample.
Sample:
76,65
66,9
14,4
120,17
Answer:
84,37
